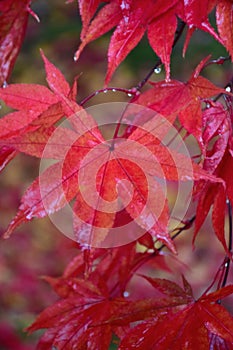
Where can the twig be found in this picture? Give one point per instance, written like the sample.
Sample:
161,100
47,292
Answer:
145,258
221,60
159,62
223,271
129,92
228,260
228,85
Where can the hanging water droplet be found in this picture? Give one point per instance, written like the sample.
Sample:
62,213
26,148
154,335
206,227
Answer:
75,58
157,70
207,105
105,91
228,88
150,251
227,201
113,90
4,85
130,95
126,294
226,264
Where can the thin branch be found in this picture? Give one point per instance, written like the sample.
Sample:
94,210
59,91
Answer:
159,62
223,270
221,60
226,87
129,92
228,260
145,258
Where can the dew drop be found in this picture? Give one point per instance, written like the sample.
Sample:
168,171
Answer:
4,85
126,294
113,90
124,5
29,216
75,58
105,91
226,265
207,105
149,251
228,88
227,201
130,95
157,70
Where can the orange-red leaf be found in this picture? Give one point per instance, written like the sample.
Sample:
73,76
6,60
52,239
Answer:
224,19
14,17
191,327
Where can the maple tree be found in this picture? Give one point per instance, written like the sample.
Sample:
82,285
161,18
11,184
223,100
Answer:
118,187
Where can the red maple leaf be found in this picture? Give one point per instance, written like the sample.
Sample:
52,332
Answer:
28,129
91,310
111,175
217,197
194,325
217,131
224,20
6,155
174,97
14,17
133,18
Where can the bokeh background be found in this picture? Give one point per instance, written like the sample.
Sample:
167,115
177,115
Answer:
37,249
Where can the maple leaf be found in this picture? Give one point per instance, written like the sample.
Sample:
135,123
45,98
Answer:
216,125
6,155
14,17
217,159
195,14
216,196
87,315
195,325
174,97
29,129
120,168
73,178
28,97
132,19
224,20
87,10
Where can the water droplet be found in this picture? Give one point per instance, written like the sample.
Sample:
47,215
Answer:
126,294
29,216
149,251
105,91
228,89
227,201
4,85
96,93
75,58
130,95
207,105
113,90
75,287
124,5
157,70
226,264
